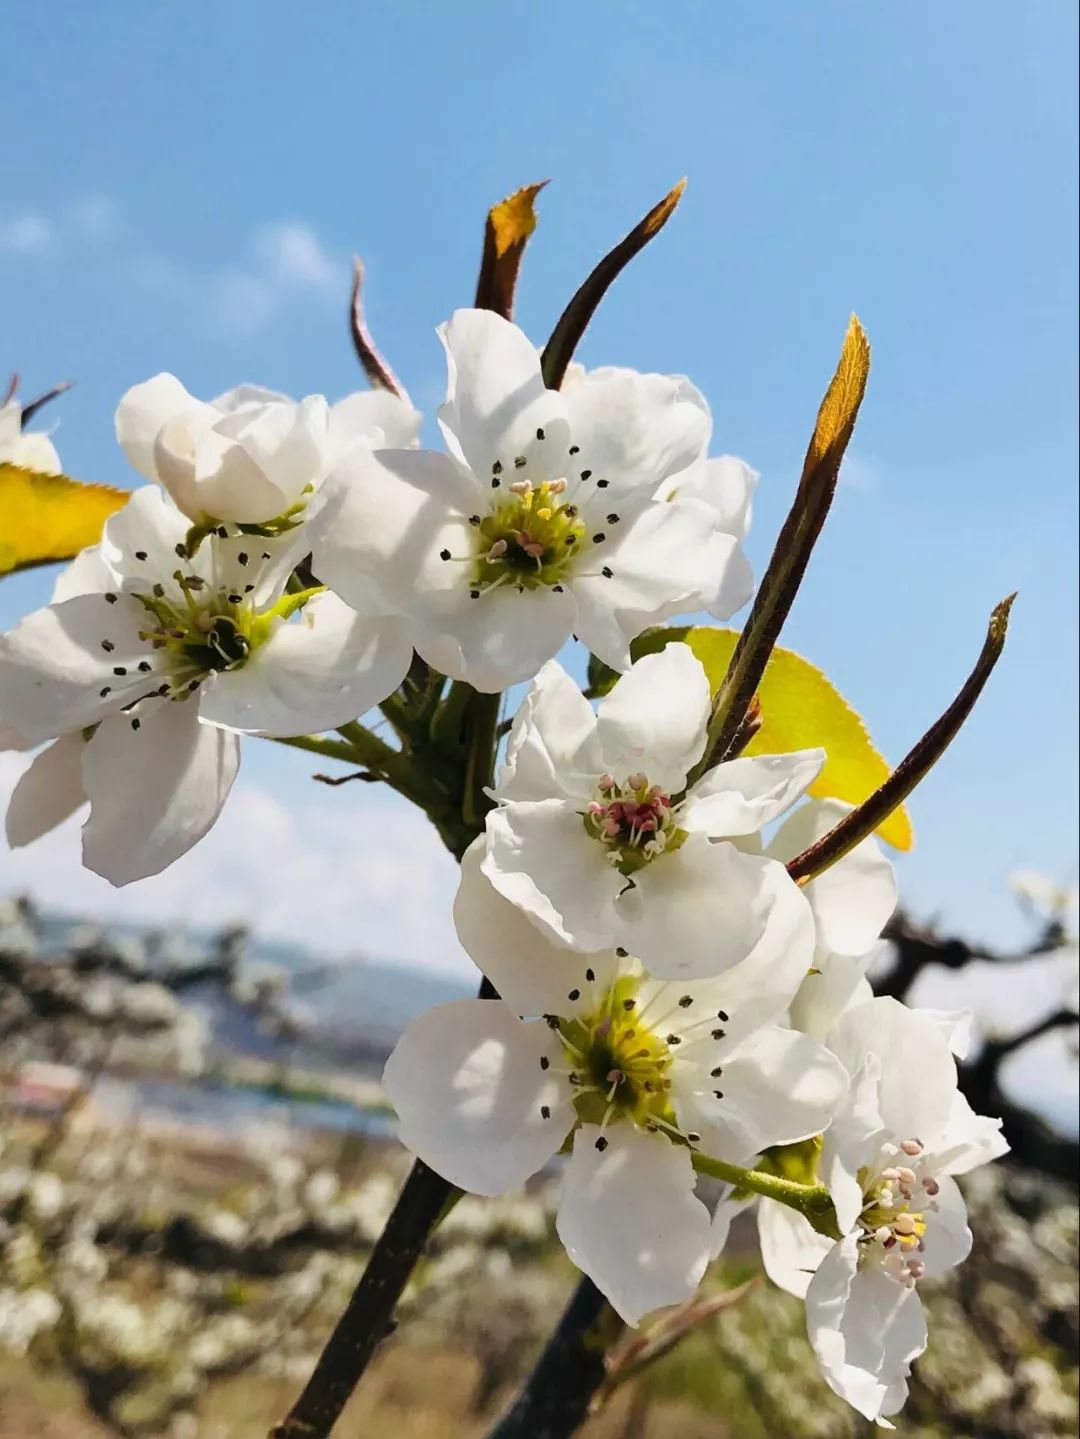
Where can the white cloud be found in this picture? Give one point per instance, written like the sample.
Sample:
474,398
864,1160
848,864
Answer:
30,233
860,473
291,255
96,217
243,304
353,871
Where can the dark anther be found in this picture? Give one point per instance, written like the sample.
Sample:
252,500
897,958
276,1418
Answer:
163,690
444,554
545,1063
552,1021
601,1144
135,723
140,554
545,1112
234,599
574,449
693,1138
622,953
159,592
193,685
242,557
686,1001
722,1014
718,1094
613,518
474,519
717,1072
628,1004
248,589
570,511
106,691
599,537
607,572
496,468
602,484
558,589
520,462
474,594
574,996
495,482
119,670
590,975
571,539
673,1039
110,599
586,474
145,667
719,1033
539,434
181,551
223,534
107,646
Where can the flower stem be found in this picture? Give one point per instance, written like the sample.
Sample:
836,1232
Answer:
557,1394
813,1201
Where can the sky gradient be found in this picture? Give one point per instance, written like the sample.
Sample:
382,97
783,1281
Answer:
189,182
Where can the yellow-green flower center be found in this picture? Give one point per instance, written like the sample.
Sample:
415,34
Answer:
530,539
619,1065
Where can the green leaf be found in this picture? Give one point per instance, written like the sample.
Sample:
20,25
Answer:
44,518
801,709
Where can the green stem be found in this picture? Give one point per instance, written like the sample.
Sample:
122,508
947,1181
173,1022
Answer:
320,744
813,1201
483,724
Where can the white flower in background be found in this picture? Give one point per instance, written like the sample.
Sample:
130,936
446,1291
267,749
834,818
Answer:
160,661
29,449
888,1160
595,840
639,1071
250,455
542,521
851,902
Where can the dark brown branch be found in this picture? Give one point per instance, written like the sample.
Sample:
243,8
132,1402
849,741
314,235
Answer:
379,373
30,410
862,821
572,323
506,233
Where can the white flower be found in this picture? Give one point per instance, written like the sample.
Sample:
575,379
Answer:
888,1159
542,521
851,902
167,660
593,841
27,448
639,1071
250,455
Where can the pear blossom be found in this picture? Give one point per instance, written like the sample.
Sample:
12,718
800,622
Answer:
29,449
598,840
889,1160
851,902
546,517
634,1073
251,455
149,664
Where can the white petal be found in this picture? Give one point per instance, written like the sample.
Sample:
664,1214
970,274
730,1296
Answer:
866,1329
496,399
791,1248
47,793
289,445
53,666
247,397
852,899
209,473
540,858
372,417
34,451
142,414
466,1082
836,984
382,519
853,1144
969,1140
726,484
552,750
698,911
532,973
668,559
86,575
155,792
918,1072
635,430
743,795
654,720
149,524
630,1220
947,1241
778,1087
318,671
499,638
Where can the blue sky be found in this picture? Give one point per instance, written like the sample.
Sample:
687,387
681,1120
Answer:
188,182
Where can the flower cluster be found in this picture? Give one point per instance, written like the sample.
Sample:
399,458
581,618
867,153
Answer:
674,997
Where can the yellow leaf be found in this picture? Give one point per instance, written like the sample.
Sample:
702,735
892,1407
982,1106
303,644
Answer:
49,517
800,709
